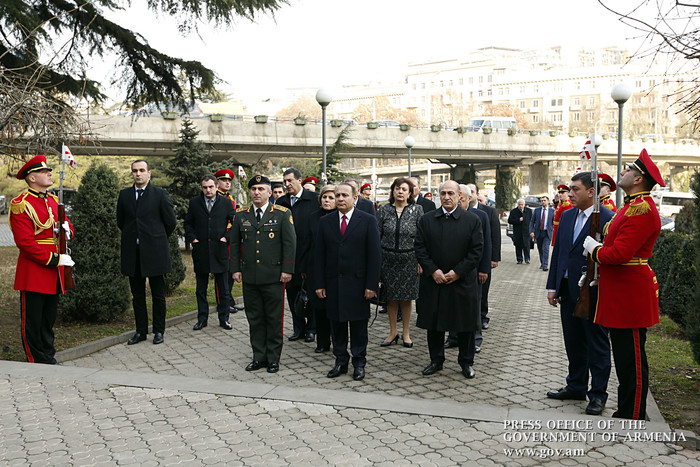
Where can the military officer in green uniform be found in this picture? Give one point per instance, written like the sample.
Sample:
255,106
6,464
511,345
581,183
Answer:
263,245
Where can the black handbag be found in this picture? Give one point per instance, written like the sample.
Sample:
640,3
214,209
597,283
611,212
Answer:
379,298
302,307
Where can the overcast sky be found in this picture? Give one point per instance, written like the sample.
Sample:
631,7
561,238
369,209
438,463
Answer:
314,43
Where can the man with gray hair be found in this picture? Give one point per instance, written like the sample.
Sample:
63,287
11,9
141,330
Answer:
520,218
361,204
449,244
426,204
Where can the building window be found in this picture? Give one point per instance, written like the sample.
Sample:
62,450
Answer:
522,89
535,119
442,84
422,85
591,84
576,101
535,103
451,83
638,84
489,78
591,100
556,117
522,104
578,85
576,116
481,79
536,88
556,102
461,81
481,93
500,91
471,80
590,116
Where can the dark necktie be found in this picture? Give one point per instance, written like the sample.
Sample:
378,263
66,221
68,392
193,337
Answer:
343,225
139,193
210,204
258,214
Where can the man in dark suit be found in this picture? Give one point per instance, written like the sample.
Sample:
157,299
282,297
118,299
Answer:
347,263
495,224
303,203
520,218
146,218
541,228
361,203
428,205
206,224
587,345
263,246
448,244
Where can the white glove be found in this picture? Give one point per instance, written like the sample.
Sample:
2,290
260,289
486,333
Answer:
66,229
589,244
582,281
66,260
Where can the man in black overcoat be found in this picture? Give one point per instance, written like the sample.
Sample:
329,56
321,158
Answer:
205,228
303,203
448,244
427,204
347,263
146,218
520,217
495,253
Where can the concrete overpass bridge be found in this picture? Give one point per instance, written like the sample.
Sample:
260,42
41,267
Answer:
248,142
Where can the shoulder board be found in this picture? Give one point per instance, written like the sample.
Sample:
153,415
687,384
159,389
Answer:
279,208
242,209
566,203
54,197
638,207
17,204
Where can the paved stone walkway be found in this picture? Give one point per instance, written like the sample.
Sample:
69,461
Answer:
189,401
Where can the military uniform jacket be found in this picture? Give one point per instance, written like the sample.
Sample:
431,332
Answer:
209,254
563,206
262,251
628,292
608,203
33,216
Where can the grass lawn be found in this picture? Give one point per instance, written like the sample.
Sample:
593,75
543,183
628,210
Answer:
69,335
674,378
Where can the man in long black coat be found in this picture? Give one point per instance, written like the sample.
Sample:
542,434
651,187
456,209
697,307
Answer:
495,254
303,203
146,218
205,228
347,263
520,218
448,244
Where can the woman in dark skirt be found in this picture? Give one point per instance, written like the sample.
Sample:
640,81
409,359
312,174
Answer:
326,200
400,270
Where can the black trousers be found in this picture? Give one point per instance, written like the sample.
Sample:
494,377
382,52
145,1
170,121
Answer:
323,326
39,312
138,301
485,299
465,341
358,342
221,291
265,313
628,346
300,324
587,349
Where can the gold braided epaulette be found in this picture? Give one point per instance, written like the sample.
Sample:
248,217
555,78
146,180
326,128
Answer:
18,204
280,208
242,209
638,207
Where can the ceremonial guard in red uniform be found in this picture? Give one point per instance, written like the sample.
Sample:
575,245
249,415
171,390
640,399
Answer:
39,275
564,204
224,178
628,300
607,186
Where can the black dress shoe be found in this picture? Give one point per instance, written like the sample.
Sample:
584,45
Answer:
255,365
232,310
595,407
565,394
226,325
545,269
199,325
138,337
432,368
337,371
484,325
323,348
468,372
449,344
238,308
359,373
158,338
310,337
273,367
294,337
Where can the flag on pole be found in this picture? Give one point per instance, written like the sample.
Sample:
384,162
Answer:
67,156
579,169
324,178
587,151
241,173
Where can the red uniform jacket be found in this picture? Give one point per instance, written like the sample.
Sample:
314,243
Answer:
33,216
608,203
563,206
230,198
628,292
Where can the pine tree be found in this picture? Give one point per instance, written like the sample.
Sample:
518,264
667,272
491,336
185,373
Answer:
102,292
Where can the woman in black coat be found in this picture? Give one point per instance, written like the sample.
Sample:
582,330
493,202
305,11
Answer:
326,201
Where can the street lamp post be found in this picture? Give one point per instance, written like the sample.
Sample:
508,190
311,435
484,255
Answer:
409,142
323,97
620,94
